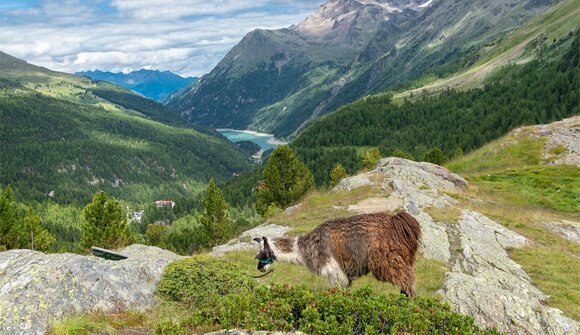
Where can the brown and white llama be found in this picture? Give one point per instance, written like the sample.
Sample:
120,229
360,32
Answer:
346,248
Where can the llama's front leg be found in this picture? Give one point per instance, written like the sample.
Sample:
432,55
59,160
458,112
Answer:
335,274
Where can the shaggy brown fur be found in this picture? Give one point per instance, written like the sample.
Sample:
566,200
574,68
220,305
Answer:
381,243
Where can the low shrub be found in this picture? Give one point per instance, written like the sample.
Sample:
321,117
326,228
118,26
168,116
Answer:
221,296
200,280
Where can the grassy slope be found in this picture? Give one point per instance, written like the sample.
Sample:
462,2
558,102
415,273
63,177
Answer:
61,136
519,190
555,22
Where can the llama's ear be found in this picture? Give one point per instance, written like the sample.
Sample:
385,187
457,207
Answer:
258,239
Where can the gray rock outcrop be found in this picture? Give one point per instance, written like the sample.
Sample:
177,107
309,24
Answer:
495,290
244,241
562,140
36,288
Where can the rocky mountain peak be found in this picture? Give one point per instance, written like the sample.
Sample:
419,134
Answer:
343,15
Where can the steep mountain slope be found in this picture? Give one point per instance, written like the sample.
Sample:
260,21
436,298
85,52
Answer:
65,137
277,81
153,84
542,90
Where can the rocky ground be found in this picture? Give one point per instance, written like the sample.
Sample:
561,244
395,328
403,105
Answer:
562,140
483,281
36,288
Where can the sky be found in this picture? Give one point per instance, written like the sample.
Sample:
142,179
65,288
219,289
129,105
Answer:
188,37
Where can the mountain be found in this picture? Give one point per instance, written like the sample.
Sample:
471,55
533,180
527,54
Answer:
279,80
153,84
64,137
539,90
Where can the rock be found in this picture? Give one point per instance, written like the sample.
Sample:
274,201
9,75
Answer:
569,230
240,243
417,173
375,205
350,183
486,284
562,140
293,209
36,287
434,241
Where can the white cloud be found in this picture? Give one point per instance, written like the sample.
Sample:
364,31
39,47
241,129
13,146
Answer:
186,37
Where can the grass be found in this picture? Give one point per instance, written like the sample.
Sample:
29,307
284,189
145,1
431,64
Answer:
512,170
320,206
99,323
553,187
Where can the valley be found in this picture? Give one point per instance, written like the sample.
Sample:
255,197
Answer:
463,114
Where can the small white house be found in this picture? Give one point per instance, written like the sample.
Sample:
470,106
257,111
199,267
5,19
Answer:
164,203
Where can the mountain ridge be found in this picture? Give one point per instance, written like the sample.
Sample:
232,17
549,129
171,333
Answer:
154,84
277,81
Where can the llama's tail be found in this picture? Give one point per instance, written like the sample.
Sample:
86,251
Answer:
408,231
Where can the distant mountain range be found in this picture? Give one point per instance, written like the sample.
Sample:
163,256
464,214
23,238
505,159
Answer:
153,84
278,81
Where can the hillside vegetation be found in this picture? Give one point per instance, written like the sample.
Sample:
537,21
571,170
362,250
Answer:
540,91
65,137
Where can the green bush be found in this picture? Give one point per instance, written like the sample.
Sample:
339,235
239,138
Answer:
199,280
220,296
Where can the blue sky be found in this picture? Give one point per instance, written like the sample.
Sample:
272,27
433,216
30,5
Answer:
188,37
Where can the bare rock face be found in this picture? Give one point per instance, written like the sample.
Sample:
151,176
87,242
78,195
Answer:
495,290
569,230
36,287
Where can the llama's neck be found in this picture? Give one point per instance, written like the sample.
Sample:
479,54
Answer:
286,250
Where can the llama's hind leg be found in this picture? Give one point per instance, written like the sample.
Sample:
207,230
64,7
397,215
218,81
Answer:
391,267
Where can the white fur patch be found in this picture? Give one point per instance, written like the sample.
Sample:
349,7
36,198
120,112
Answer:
293,257
334,273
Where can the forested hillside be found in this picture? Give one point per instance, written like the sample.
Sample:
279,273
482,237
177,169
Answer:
541,91
65,137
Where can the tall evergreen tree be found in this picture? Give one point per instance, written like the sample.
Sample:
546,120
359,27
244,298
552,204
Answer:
8,220
215,219
105,224
18,231
286,179
338,172
32,235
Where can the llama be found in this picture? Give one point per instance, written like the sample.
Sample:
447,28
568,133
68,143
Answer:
347,248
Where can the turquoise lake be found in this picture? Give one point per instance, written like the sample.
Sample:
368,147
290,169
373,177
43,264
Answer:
265,141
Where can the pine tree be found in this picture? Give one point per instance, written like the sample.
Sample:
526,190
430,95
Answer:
371,158
32,235
105,224
286,179
337,174
458,153
215,219
402,154
435,156
8,220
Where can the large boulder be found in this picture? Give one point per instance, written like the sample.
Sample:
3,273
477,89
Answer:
36,288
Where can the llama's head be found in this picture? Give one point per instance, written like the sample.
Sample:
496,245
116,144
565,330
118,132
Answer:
265,255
